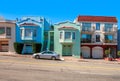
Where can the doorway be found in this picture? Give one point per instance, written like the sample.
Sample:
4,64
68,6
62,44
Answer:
67,50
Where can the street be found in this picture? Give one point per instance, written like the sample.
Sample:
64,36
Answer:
29,69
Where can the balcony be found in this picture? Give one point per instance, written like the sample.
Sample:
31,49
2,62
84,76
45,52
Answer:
110,30
86,41
87,31
109,42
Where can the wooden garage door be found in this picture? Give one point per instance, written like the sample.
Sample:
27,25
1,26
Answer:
97,52
4,48
85,52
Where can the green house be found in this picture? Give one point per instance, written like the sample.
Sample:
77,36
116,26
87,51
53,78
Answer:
67,39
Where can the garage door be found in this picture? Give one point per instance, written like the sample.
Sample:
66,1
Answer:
4,48
85,52
97,52
67,50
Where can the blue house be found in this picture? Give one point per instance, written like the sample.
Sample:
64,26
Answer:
32,30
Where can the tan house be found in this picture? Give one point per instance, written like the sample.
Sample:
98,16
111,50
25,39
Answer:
7,35
99,33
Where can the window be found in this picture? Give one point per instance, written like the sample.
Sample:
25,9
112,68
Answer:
86,38
97,38
2,30
28,33
34,33
73,35
61,35
97,26
8,31
108,27
108,38
67,35
49,52
86,26
21,32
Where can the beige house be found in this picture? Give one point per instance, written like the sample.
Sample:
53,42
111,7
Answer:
7,35
99,33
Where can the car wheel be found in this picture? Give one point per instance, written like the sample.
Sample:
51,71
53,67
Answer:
37,56
53,58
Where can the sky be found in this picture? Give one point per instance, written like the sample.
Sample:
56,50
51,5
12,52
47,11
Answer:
59,10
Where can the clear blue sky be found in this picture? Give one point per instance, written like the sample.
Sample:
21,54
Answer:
59,10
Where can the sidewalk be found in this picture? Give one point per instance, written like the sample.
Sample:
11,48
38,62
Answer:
99,61
14,55
68,59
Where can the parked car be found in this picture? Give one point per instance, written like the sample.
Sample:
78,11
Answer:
47,55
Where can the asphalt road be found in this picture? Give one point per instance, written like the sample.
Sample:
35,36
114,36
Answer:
29,69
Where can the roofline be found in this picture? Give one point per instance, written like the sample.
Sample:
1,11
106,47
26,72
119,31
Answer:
66,22
97,16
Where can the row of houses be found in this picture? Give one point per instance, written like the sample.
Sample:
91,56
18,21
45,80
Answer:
86,36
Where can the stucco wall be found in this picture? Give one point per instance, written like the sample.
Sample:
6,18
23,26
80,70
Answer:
75,44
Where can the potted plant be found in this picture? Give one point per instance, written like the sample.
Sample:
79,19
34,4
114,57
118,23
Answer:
107,53
118,53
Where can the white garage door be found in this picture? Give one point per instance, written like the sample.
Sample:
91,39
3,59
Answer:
97,52
85,52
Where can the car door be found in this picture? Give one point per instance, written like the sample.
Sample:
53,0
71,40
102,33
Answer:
43,55
49,54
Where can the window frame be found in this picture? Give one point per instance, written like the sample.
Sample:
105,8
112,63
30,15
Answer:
61,34
3,30
73,35
98,38
67,36
30,33
97,26
8,31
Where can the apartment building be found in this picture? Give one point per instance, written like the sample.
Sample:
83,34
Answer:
99,33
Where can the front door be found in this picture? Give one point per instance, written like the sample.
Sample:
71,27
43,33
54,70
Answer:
67,50
28,49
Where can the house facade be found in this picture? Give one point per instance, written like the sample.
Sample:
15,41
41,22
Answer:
31,30
7,35
99,33
118,39
67,39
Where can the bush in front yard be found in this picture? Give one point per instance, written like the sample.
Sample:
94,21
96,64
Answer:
18,47
36,47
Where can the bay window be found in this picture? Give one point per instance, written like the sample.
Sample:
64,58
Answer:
28,33
67,35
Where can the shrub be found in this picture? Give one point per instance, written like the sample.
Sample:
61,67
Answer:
118,53
107,52
36,47
18,47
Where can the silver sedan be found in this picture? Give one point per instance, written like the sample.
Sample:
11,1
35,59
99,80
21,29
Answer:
47,55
